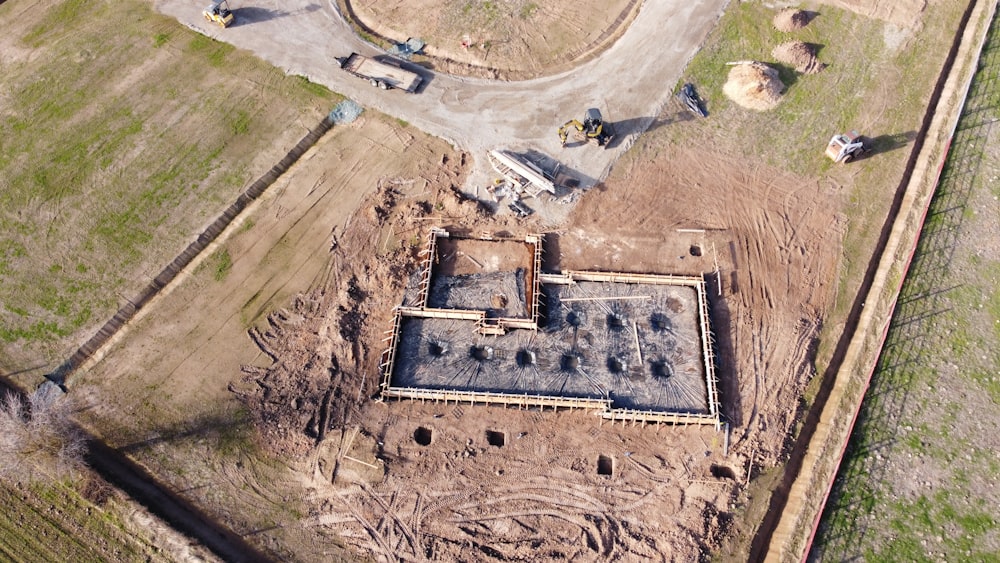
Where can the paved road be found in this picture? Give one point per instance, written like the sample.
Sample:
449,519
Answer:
631,81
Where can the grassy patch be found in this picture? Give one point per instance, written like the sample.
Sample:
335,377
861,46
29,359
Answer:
312,88
107,168
215,52
222,263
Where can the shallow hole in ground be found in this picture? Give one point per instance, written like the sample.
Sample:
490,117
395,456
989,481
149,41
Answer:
423,435
570,362
662,368
576,318
605,465
660,322
481,353
496,438
722,471
616,365
616,321
438,349
525,358
695,250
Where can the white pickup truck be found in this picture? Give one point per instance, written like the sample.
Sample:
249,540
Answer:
384,72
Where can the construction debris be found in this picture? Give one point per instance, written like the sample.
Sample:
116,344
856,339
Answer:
524,176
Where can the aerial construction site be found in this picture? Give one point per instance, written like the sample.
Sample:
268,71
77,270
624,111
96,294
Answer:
457,280
489,326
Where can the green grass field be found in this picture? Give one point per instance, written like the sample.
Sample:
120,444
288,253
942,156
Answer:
917,481
119,140
52,522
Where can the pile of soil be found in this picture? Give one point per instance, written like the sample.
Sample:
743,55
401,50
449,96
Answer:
754,85
790,19
802,56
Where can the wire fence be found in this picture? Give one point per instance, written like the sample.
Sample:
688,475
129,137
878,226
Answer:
845,529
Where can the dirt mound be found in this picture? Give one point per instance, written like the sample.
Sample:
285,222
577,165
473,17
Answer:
790,19
754,85
802,56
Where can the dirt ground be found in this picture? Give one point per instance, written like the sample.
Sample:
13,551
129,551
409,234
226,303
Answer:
510,39
520,38
294,336
386,495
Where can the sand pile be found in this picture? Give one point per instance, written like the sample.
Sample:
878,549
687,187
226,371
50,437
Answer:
790,19
801,56
754,85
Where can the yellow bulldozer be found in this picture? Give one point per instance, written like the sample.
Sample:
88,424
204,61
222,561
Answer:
219,13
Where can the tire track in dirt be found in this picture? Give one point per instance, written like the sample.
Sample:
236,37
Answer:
110,329
114,465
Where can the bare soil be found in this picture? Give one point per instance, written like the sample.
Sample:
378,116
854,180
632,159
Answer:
506,39
754,85
791,19
802,56
459,496
289,337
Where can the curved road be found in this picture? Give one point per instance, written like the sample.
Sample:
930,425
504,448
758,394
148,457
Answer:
630,82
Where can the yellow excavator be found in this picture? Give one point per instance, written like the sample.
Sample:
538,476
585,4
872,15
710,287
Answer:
592,128
219,13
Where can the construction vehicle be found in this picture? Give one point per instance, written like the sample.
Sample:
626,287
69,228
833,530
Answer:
592,128
384,72
219,13
846,147
692,100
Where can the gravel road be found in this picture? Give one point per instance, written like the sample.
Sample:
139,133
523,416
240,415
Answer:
630,82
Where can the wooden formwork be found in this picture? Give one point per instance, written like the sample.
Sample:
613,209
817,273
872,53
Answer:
534,281
660,417
707,352
506,399
620,277
486,326
427,265
388,362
